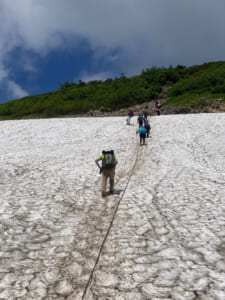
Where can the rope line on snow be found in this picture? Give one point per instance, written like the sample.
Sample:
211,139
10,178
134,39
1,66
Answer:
110,226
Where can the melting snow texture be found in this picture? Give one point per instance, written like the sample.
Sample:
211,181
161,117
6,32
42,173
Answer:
168,236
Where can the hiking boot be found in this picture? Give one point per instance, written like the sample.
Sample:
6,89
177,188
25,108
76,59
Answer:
111,192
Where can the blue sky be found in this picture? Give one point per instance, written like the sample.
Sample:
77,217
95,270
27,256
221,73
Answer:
44,43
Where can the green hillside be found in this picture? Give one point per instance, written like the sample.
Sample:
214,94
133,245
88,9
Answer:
188,87
200,86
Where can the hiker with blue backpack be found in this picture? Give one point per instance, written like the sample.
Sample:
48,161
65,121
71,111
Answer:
142,134
107,169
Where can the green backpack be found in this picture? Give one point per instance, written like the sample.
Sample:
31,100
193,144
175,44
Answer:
108,161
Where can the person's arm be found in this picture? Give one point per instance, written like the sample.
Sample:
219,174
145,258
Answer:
97,162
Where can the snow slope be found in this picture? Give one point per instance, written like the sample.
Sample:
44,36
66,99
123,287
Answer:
168,236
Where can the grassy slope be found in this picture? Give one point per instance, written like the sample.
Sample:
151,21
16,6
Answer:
189,87
200,86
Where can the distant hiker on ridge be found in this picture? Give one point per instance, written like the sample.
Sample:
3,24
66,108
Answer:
145,112
109,162
158,106
102,110
130,114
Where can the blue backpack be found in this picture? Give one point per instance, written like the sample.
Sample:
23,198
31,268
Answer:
142,130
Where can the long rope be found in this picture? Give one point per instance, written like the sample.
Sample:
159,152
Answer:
109,228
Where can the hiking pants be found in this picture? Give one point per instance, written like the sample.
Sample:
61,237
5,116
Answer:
105,174
140,123
142,138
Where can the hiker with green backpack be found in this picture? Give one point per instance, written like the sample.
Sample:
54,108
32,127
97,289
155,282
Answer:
109,162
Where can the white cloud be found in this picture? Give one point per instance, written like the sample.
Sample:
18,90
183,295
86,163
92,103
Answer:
145,33
3,73
97,76
14,90
29,64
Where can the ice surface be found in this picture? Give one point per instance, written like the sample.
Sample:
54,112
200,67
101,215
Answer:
168,236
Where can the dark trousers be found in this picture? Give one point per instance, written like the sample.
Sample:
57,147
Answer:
140,123
142,138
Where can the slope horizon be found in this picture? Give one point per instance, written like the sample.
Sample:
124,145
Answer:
196,85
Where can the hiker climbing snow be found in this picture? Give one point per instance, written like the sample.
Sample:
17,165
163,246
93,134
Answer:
140,120
142,134
148,127
109,162
130,114
158,106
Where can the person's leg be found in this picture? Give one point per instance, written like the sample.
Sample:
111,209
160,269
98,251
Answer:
104,181
111,179
143,139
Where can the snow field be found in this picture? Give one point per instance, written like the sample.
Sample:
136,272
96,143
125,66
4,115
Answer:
168,237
